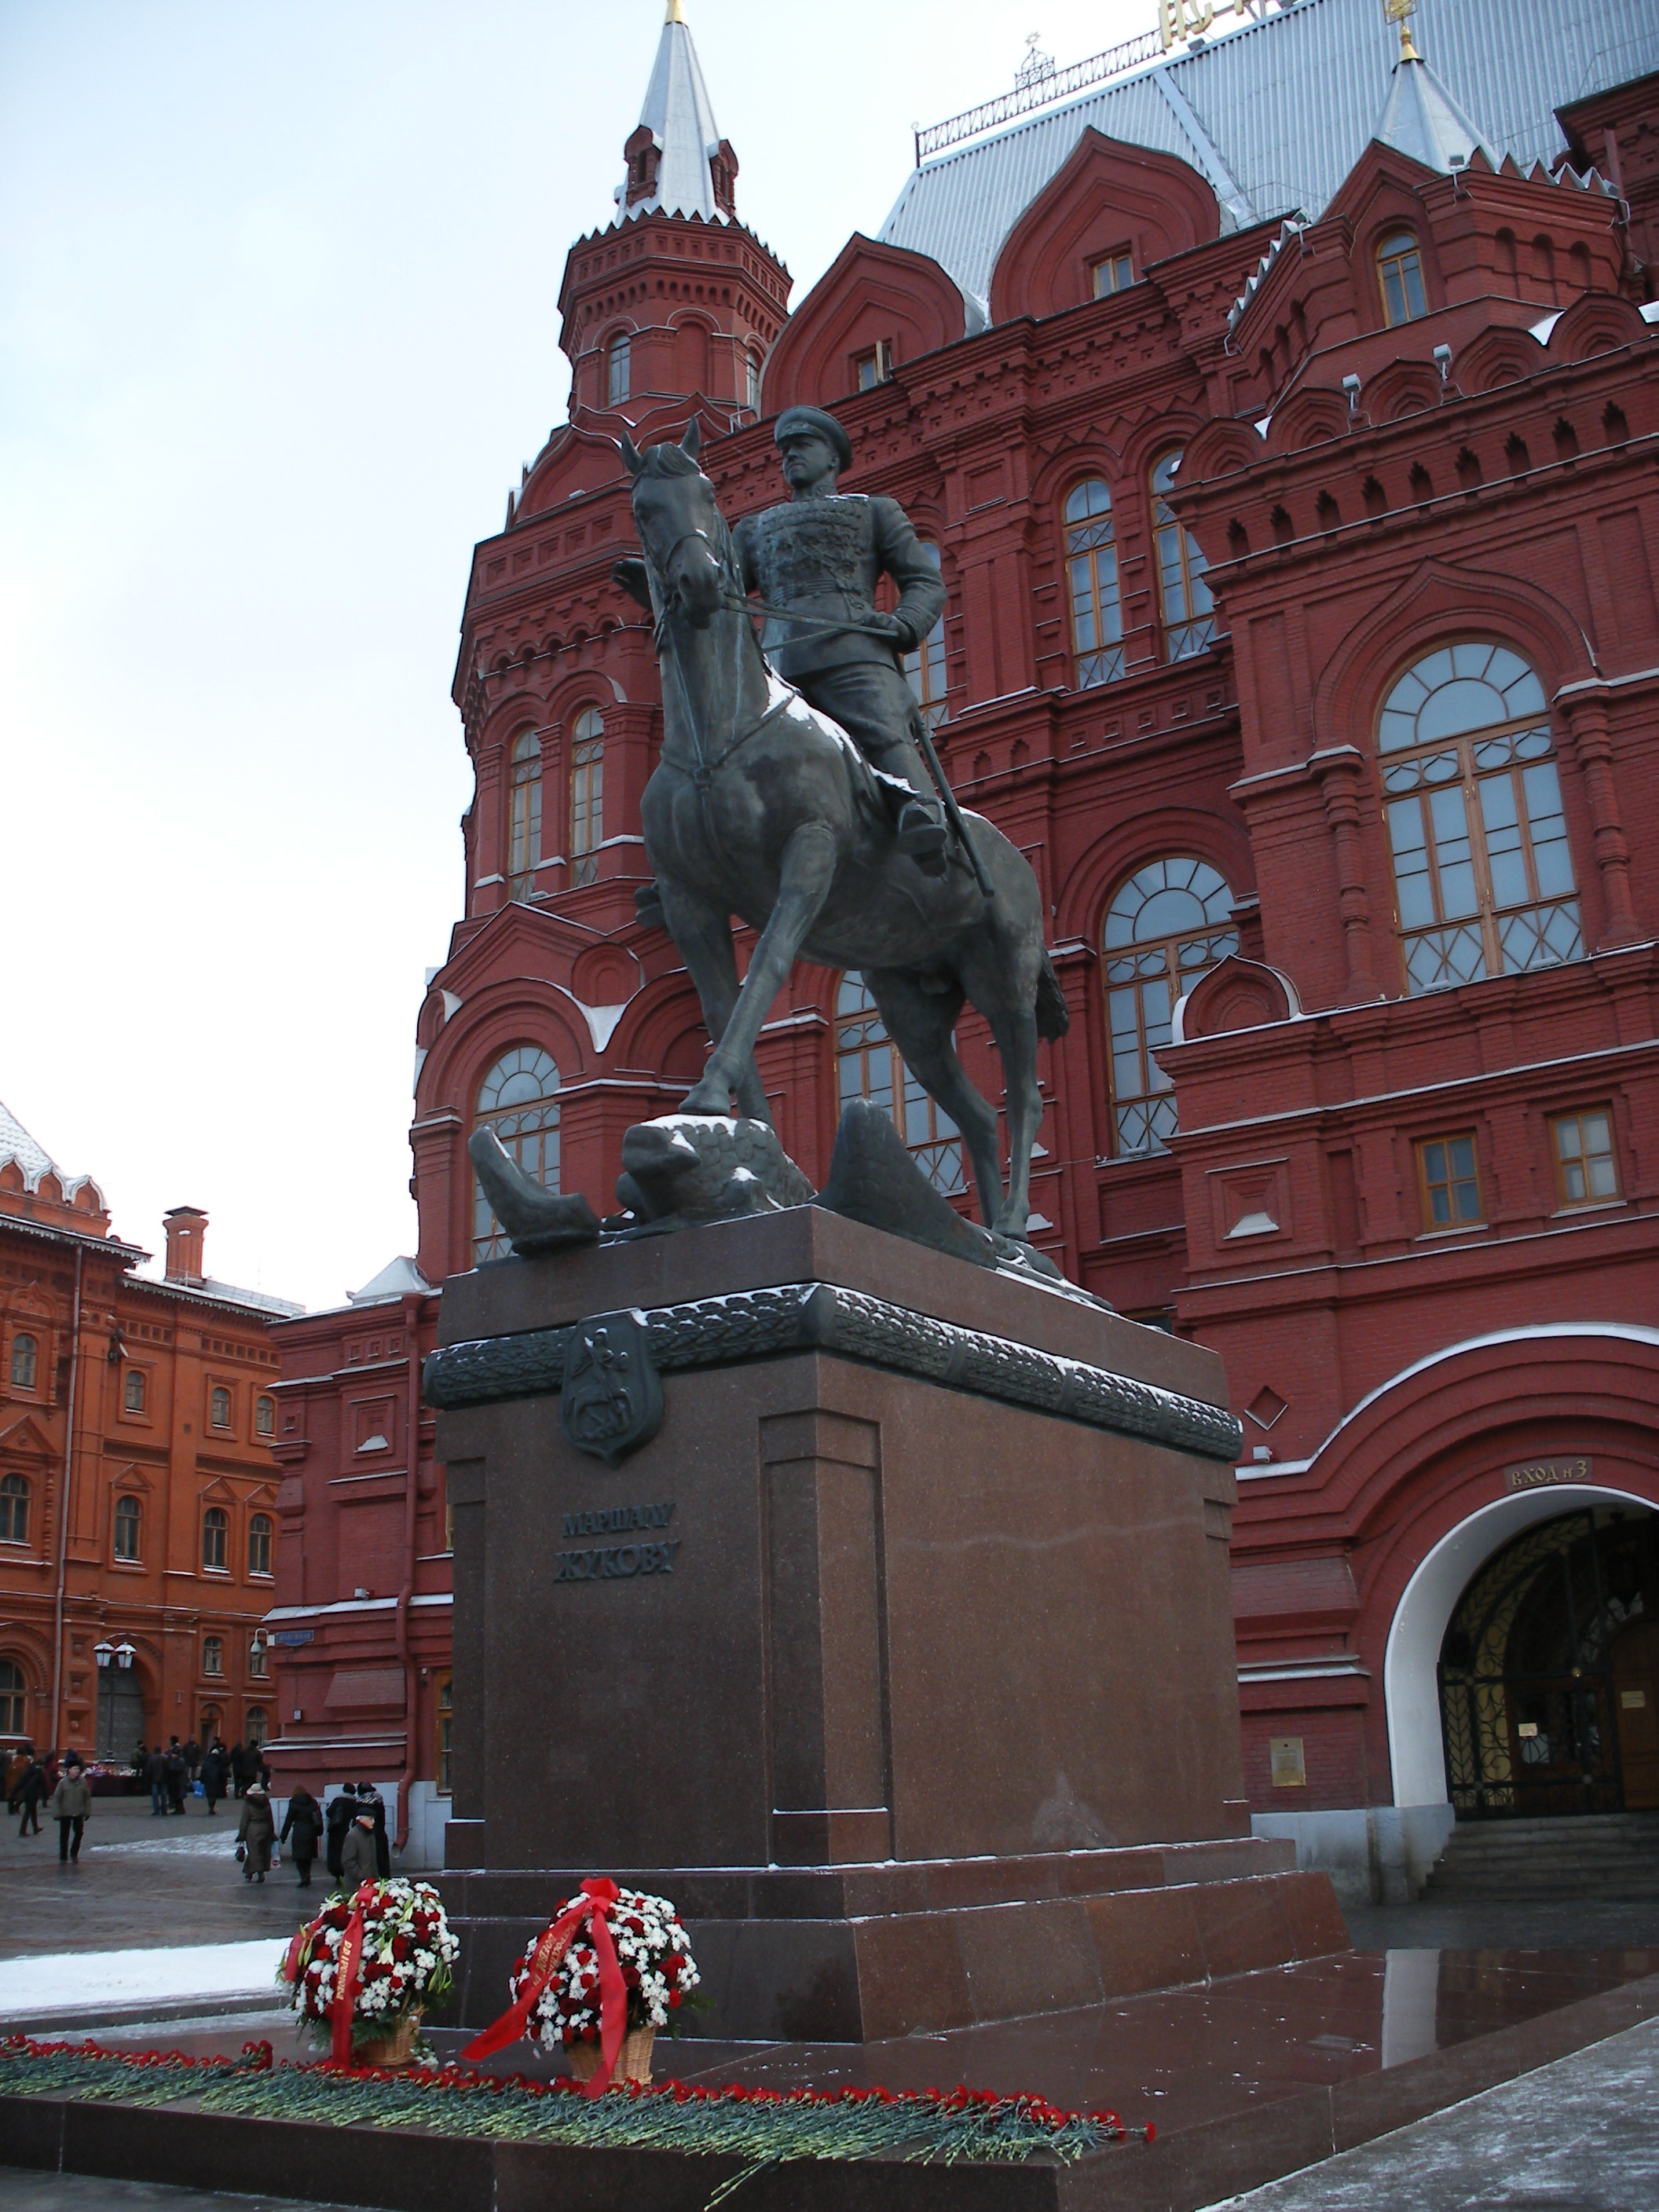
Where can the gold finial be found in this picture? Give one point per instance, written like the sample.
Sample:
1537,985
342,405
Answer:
676,13
1397,11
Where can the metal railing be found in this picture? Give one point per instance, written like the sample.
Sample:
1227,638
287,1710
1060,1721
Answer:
1039,92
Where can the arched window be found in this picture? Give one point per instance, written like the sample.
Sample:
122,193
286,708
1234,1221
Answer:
617,369
752,381
219,1408
1184,598
264,1417
258,1544
14,1509
1482,875
1400,273
586,795
525,823
519,1099
1166,927
213,1655
925,667
216,1538
1091,581
128,1522
254,1725
14,1698
25,1357
133,1395
868,1065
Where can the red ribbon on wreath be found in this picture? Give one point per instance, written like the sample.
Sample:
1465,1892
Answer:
589,1909
291,1962
348,1968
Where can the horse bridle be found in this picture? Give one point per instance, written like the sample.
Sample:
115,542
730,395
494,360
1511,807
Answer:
656,574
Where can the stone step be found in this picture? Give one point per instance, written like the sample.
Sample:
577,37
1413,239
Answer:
1592,1848
1597,1855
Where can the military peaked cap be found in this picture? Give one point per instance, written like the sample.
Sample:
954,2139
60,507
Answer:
795,419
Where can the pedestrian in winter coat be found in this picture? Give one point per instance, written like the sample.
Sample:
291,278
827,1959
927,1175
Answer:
69,1805
358,1862
192,1756
242,1770
256,1832
369,1796
342,1811
30,1791
301,1831
215,1768
17,1767
155,1773
177,1775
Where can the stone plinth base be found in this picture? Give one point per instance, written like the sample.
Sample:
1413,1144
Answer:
877,1605
857,1953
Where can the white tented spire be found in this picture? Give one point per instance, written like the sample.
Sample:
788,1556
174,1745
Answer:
680,117
1421,118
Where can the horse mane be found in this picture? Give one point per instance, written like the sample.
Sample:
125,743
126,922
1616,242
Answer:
668,461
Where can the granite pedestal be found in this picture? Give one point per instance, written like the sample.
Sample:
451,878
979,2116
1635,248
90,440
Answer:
900,1656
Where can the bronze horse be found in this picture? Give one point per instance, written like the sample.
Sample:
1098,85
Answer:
761,807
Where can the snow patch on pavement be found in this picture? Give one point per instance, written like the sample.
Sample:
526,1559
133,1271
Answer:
220,1843
71,1981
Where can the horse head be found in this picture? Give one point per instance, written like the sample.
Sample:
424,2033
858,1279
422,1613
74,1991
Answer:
688,548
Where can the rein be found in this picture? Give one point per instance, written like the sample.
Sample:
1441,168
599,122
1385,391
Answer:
703,768
815,621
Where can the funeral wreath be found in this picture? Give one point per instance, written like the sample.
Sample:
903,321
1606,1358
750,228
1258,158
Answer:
363,1972
611,1968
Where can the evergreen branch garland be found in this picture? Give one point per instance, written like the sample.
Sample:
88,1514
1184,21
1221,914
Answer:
759,2127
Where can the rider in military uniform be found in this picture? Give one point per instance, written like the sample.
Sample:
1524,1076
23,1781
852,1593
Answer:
819,557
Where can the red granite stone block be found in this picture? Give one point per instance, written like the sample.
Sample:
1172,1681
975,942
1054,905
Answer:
1145,1939
1242,1925
912,1978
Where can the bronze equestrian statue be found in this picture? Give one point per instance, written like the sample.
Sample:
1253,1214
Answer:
763,806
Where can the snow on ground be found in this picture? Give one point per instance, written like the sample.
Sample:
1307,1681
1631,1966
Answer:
215,1843
71,1980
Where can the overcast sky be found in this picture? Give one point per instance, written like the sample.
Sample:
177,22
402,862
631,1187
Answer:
278,328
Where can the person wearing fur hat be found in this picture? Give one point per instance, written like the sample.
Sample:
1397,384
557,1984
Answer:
255,1833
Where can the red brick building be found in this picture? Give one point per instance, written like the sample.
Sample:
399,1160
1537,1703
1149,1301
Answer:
1287,442
137,1489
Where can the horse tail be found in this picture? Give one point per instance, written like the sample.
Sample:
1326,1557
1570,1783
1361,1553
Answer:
1053,1015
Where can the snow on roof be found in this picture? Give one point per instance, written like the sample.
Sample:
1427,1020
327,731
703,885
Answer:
231,1295
33,1158
399,1277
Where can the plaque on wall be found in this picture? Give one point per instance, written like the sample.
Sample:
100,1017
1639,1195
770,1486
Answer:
1289,1769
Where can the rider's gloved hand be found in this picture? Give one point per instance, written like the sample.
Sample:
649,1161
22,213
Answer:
895,627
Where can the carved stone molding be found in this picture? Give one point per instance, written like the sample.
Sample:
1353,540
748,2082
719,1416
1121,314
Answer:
820,1317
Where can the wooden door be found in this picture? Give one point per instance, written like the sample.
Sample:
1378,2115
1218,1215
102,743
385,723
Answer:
1636,1701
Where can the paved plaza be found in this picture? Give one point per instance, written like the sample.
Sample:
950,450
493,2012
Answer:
155,1939
1576,2136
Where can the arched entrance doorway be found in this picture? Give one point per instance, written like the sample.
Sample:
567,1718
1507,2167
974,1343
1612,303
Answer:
1548,1674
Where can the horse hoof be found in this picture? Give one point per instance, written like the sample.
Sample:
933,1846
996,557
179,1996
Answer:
712,1099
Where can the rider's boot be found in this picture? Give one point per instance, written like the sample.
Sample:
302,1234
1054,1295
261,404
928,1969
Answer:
921,834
